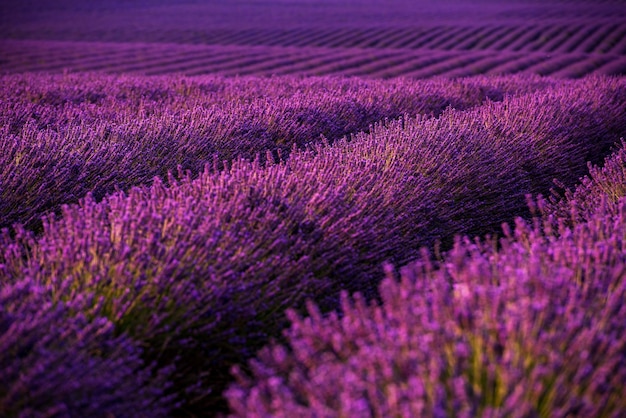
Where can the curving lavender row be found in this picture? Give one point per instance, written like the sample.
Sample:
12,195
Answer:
199,272
63,136
536,327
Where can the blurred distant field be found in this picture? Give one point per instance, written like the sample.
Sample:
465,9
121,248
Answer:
354,38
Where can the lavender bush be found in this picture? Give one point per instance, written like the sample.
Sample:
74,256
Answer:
534,327
63,359
66,135
199,271
608,182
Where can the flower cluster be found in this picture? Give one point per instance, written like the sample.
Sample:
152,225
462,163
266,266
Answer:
532,325
64,359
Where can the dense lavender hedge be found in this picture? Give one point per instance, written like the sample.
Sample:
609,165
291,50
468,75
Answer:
200,271
66,135
535,328
65,359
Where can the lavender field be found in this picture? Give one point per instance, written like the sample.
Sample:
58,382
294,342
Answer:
318,209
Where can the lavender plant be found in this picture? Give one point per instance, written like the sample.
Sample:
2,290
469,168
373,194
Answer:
65,136
602,183
534,327
64,359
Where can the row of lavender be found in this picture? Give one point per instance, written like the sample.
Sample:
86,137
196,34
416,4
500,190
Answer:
532,325
64,136
182,281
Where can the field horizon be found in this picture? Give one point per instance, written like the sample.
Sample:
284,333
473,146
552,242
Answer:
363,38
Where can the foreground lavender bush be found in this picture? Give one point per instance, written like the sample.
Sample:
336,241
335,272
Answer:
534,328
65,136
200,271
64,360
